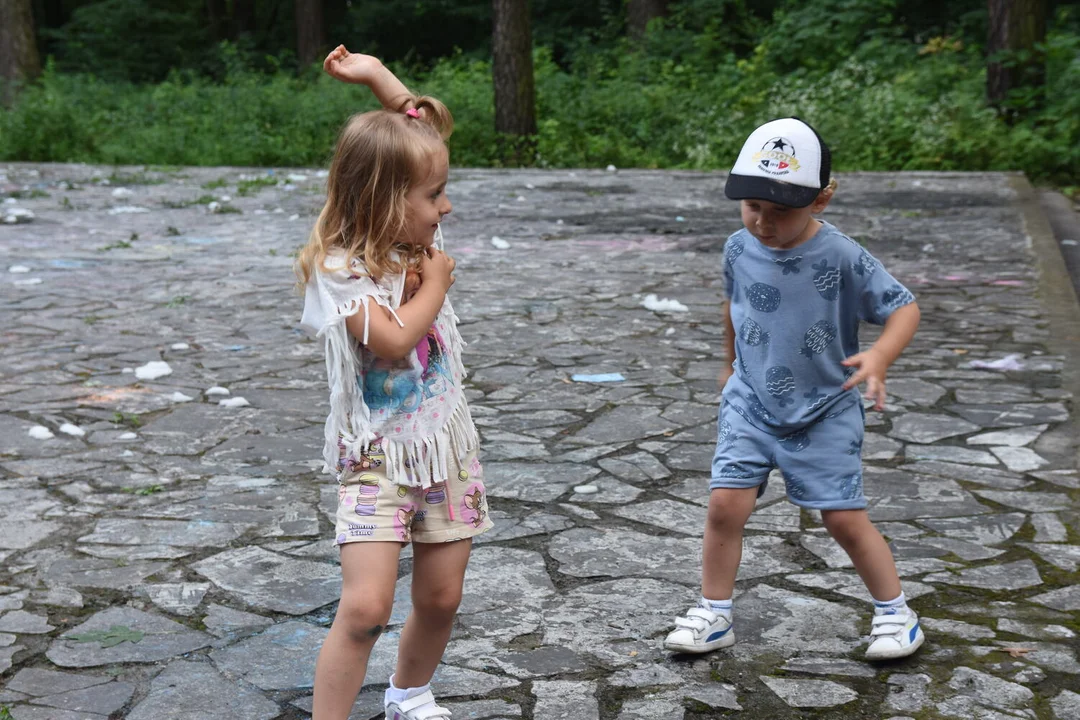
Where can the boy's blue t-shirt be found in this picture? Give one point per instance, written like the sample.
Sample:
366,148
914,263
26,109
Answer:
796,316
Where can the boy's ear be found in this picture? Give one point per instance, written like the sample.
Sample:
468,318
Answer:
821,201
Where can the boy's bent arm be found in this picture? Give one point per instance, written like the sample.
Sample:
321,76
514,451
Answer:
899,330
874,363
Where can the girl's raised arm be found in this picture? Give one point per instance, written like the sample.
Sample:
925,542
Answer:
368,70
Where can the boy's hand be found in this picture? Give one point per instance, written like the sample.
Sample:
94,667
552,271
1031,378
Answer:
351,67
872,367
725,374
437,267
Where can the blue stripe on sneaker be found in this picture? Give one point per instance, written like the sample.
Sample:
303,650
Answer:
913,633
718,635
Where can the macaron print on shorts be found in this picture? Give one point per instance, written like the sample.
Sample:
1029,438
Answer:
372,508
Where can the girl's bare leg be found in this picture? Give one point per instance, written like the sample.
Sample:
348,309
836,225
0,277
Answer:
369,572
437,578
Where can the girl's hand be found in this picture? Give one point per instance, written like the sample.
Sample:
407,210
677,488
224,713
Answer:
412,285
351,67
871,368
725,374
437,267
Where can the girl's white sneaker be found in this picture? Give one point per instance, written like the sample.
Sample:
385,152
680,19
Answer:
420,707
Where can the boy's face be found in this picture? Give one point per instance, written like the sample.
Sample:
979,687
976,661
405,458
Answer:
779,226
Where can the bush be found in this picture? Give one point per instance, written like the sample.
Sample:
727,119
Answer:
888,104
130,39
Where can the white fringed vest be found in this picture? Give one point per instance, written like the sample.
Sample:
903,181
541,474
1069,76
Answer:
418,427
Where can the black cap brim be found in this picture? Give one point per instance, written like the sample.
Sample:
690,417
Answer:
746,187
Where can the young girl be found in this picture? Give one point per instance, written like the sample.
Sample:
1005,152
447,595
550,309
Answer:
399,436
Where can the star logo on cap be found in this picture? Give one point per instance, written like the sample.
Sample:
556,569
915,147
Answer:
780,144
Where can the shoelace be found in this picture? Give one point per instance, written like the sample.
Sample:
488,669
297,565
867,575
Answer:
888,624
697,619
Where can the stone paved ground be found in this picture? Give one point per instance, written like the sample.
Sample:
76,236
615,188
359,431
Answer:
169,556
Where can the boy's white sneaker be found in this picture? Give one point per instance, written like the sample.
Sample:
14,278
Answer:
700,631
414,709
894,633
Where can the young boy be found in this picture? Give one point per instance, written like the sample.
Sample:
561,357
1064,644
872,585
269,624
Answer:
796,290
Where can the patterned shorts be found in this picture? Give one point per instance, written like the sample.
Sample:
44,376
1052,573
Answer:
822,463
371,508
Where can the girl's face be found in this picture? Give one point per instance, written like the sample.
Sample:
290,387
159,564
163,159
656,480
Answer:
427,201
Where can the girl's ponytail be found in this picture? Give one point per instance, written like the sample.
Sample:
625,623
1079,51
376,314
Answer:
434,113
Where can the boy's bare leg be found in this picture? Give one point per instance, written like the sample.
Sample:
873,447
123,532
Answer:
729,509
369,572
437,578
869,552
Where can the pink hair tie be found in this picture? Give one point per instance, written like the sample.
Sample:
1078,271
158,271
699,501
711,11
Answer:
412,112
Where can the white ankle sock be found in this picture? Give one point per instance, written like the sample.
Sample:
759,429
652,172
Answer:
720,607
890,607
394,694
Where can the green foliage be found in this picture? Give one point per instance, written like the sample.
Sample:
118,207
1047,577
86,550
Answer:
423,32
822,34
890,85
131,39
703,32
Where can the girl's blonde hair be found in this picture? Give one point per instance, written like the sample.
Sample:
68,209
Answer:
378,157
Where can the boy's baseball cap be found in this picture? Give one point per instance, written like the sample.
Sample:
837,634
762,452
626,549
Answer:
784,161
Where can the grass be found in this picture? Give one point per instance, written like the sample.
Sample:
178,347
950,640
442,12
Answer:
885,105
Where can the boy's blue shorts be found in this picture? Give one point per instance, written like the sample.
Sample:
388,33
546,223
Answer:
821,463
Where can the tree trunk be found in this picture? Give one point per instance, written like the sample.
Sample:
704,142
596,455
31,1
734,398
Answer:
309,31
1016,26
19,60
512,70
640,12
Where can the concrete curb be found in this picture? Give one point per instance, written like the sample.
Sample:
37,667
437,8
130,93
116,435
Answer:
1055,290
1064,222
